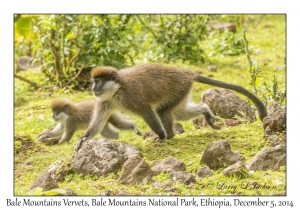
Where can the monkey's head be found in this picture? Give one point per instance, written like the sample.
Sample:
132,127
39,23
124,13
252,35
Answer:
105,82
62,109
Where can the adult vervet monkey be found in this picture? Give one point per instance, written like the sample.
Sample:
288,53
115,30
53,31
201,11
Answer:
159,94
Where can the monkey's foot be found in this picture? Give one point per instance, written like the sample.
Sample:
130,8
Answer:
160,140
216,127
79,143
211,119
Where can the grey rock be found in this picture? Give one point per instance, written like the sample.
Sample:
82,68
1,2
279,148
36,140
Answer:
169,163
134,170
200,122
182,177
226,104
268,158
238,169
102,156
276,119
276,138
59,171
163,184
219,153
149,135
45,181
204,171
70,192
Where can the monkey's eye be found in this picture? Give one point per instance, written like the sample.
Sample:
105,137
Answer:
98,82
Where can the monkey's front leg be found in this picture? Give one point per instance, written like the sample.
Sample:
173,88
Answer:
154,123
69,132
54,133
100,116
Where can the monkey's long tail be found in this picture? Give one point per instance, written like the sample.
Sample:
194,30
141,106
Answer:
258,103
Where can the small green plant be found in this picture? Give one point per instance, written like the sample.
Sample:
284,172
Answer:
69,178
161,177
244,173
91,177
271,93
253,65
255,70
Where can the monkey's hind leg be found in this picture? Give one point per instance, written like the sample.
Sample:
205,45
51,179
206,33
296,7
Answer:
108,132
118,121
191,110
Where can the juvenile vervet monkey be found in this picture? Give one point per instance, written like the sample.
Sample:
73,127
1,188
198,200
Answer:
75,116
157,93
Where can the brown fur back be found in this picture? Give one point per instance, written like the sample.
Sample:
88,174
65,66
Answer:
82,113
154,84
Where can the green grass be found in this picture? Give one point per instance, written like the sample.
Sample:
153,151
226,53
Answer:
32,115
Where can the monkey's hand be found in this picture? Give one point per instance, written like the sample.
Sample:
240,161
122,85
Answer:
79,142
44,134
47,138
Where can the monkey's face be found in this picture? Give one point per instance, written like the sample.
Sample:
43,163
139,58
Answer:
60,115
104,88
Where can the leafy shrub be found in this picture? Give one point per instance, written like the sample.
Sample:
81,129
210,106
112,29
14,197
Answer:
226,43
71,43
173,37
